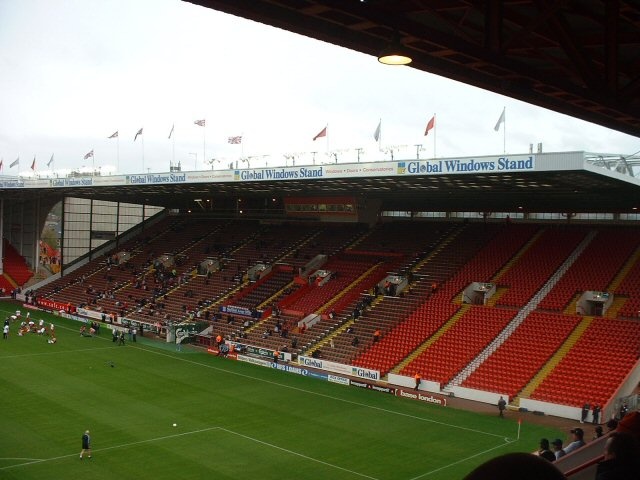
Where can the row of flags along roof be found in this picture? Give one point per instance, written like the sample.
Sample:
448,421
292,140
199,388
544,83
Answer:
237,139
17,162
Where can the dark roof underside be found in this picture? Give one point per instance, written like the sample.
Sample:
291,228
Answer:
580,58
563,191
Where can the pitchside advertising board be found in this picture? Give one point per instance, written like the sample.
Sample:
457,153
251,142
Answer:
350,370
317,363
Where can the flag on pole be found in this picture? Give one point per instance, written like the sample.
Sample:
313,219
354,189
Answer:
88,155
114,134
139,132
322,133
500,120
235,140
1,163
376,134
200,123
33,164
430,124
50,161
14,163
171,132
519,426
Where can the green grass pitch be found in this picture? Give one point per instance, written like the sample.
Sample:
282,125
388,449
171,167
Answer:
234,420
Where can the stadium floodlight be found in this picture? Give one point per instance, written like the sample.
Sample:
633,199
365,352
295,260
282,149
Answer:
395,53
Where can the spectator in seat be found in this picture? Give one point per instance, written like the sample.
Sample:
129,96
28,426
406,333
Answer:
523,466
597,432
621,454
544,451
558,451
578,440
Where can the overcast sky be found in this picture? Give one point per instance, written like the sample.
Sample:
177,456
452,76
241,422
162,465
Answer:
76,71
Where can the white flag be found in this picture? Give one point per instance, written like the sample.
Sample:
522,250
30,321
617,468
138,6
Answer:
376,134
500,121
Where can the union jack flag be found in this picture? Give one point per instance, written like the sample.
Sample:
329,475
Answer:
200,123
235,140
88,155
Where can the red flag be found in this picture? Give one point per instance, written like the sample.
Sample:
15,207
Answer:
323,133
430,125
33,164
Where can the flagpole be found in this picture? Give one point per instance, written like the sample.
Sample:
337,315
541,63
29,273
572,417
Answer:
435,135
380,135
504,133
204,145
327,135
142,153
173,147
118,153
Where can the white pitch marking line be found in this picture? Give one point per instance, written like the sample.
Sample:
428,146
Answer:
462,460
19,458
157,439
291,452
323,395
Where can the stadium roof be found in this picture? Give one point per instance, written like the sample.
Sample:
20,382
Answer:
577,58
546,182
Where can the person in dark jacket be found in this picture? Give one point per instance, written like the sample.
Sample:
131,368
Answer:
545,452
621,453
502,404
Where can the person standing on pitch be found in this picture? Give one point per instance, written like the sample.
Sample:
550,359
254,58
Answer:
502,404
86,445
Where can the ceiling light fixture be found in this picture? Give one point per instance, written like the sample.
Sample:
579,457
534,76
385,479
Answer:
395,53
